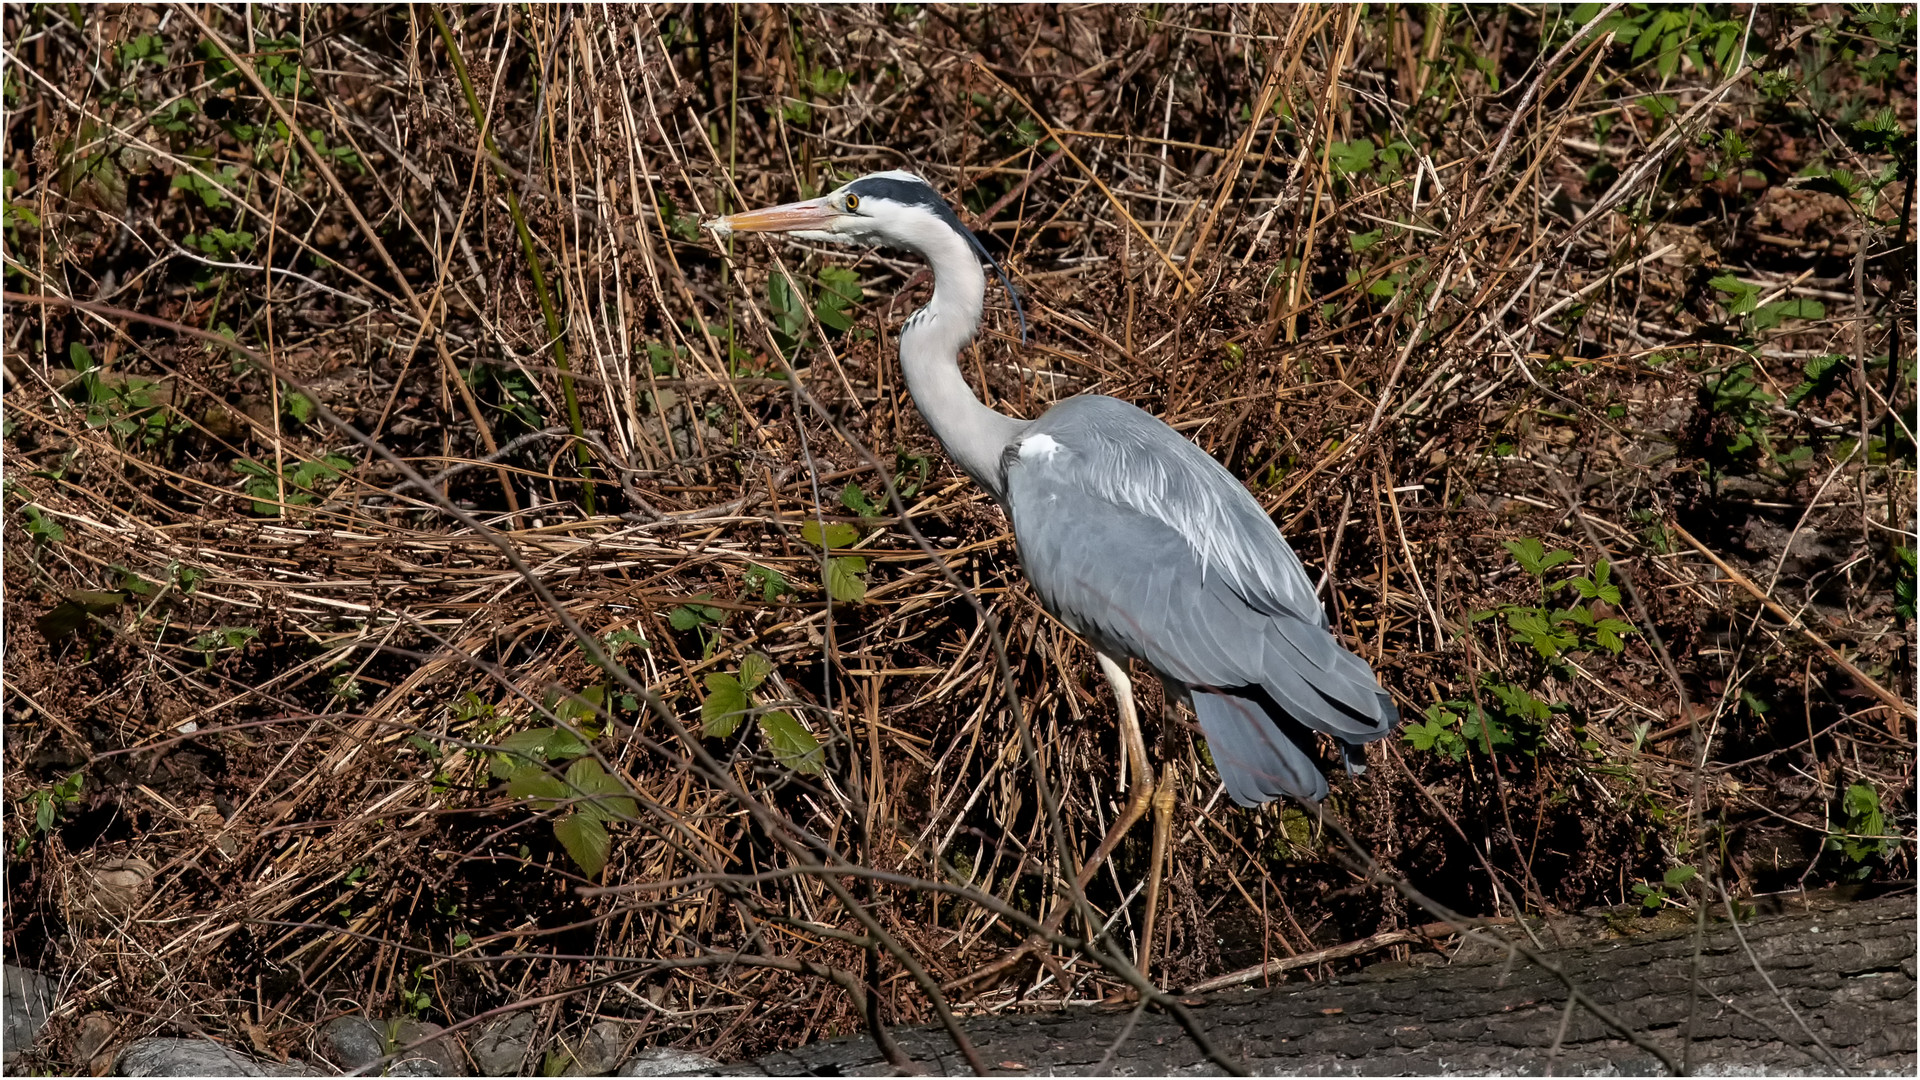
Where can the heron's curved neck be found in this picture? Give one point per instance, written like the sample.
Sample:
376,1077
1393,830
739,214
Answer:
930,343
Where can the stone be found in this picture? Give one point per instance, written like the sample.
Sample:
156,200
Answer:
108,890
439,1057
352,1041
664,1061
159,1056
501,1049
597,1052
96,1031
29,1000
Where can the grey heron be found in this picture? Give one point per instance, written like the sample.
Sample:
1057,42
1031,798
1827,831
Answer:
1132,536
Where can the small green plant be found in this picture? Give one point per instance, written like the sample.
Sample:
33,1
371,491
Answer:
1509,715
75,609
854,498
46,805
816,82
771,583
1822,378
1549,631
1863,838
832,298
1671,886
1746,436
277,62
218,243
42,528
684,226
619,641
842,573
698,615
416,997
127,406
15,215
210,194
345,687
1438,734
664,358
585,711
1742,300
225,639
730,697
910,473
585,799
301,482
1903,582
1662,35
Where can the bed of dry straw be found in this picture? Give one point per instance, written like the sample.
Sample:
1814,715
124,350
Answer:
1504,333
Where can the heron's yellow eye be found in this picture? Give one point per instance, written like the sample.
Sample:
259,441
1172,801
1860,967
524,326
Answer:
853,202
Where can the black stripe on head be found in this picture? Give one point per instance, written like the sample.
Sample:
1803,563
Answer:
921,194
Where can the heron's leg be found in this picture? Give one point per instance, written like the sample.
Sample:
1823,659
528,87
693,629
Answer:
1162,833
1139,797
1139,768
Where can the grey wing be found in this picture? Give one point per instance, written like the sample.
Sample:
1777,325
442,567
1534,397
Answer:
1130,458
1136,586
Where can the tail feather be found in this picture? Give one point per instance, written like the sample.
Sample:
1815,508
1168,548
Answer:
1262,736
1258,759
1323,686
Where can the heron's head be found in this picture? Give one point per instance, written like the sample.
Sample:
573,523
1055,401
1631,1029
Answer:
890,209
884,209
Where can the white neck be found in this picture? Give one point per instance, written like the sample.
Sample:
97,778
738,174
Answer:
930,343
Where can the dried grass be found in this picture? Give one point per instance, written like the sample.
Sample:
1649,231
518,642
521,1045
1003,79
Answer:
319,852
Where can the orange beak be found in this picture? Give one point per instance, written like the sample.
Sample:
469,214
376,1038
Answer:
808,215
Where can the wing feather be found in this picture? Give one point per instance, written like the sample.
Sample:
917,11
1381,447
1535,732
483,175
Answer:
1135,586
1130,458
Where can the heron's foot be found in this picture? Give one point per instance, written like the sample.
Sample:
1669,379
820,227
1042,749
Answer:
1163,803
999,968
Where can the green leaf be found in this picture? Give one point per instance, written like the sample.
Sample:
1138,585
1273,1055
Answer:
831,317
1771,315
1821,372
754,669
793,745
1680,875
527,745
769,581
604,797
623,639
1351,157
844,582
300,407
1362,241
841,284
563,744
535,783
837,535
726,704
1610,633
855,499
1602,570
1741,297
586,841
694,613
1533,556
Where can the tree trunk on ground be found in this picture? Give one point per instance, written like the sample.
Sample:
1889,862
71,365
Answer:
1848,971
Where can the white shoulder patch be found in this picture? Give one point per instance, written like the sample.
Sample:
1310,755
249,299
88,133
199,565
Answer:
1039,447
